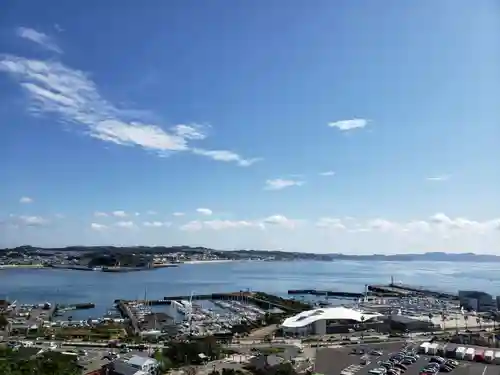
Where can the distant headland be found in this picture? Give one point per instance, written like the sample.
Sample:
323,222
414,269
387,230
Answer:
147,256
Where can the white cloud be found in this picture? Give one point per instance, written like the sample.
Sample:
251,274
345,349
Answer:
418,226
346,125
331,223
125,224
279,184
229,224
39,38
440,178
178,214
156,224
26,200
57,89
382,224
119,213
204,211
27,221
227,156
197,225
192,226
327,173
98,227
100,214
193,131
280,220
151,212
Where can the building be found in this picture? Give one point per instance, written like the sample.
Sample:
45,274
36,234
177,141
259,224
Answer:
330,320
403,323
477,300
136,365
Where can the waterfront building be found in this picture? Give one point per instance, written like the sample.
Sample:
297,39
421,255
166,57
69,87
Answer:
477,300
330,320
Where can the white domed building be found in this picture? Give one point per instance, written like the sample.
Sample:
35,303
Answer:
328,320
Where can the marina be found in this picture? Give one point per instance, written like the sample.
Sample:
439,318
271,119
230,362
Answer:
223,315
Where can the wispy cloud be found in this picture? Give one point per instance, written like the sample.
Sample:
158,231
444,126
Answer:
346,125
327,173
178,214
55,88
98,227
26,200
225,155
125,224
279,184
156,224
204,211
439,178
28,221
39,38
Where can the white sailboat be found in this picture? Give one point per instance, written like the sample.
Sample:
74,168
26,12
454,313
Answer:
153,332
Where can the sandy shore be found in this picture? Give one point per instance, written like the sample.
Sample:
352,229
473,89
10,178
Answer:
208,261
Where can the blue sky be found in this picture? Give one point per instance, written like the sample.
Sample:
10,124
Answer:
321,126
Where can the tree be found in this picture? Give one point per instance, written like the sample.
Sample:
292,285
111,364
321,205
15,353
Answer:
49,363
3,321
187,352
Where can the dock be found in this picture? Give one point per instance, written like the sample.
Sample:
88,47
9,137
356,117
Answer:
156,302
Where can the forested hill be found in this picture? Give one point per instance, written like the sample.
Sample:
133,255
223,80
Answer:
259,254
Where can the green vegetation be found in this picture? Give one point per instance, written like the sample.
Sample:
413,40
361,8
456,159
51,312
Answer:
103,332
3,321
183,353
49,363
227,371
269,351
281,369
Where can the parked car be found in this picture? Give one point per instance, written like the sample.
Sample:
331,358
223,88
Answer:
378,371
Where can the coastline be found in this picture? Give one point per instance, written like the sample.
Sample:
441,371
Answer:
209,261
10,266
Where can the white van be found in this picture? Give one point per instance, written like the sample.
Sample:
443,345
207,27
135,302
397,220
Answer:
489,356
424,347
460,352
470,354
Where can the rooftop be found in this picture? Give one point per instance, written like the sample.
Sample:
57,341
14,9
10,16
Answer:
334,313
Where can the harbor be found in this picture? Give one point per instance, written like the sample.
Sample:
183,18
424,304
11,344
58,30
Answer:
198,315
238,313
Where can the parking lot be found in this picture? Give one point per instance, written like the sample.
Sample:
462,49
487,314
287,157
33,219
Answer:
332,361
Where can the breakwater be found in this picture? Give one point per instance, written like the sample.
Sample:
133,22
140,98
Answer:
401,290
326,293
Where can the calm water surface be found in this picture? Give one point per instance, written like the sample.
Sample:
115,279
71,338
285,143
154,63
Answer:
101,288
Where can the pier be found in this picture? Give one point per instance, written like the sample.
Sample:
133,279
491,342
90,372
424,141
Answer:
156,302
122,306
